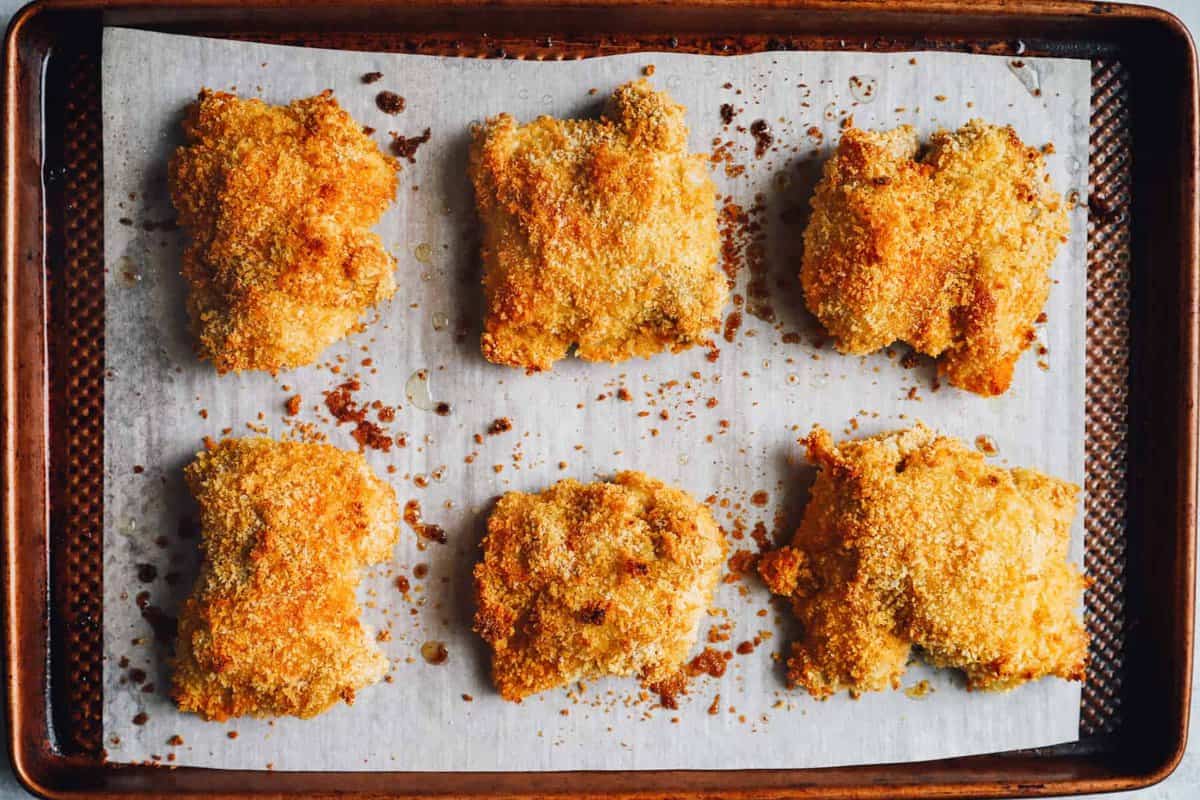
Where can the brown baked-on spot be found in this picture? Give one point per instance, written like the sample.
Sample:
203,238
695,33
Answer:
371,77
500,425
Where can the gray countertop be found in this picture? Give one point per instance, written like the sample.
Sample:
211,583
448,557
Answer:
1183,784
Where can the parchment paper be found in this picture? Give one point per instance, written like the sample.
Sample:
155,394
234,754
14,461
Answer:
161,401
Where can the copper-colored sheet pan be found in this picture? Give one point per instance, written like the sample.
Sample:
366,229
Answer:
1140,508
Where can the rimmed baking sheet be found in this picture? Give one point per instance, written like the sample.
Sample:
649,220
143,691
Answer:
768,385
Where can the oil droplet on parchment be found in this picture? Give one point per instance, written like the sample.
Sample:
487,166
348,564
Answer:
423,252
418,390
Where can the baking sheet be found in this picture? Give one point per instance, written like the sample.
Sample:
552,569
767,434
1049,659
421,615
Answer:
730,430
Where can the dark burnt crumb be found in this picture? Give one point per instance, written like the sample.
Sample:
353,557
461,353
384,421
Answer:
710,402
745,648
138,469
125,221
760,498
420,571
293,405
910,360
406,146
760,537
743,562
368,434
148,688
368,130
714,707
467,698
371,77
141,718
623,394
137,675
123,662
389,102
710,662
146,573
763,138
727,113
442,409
732,324
402,584
500,425
175,741
231,734
912,394
668,690
342,405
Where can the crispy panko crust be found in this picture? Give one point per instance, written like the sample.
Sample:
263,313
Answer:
948,252
600,234
585,580
912,539
277,201
272,626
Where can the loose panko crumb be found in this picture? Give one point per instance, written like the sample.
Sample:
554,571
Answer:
584,580
948,252
277,201
272,626
596,233
911,538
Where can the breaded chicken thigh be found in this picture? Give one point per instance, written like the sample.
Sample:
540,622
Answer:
600,234
910,539
272,626
277,202
586,580
948,251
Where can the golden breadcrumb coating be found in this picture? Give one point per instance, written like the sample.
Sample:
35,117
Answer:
584,580
948,251
912,539
600,234
272,626
277,201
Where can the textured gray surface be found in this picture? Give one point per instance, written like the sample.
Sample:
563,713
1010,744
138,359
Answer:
1184,783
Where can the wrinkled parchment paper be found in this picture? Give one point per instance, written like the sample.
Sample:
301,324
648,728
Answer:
161,401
